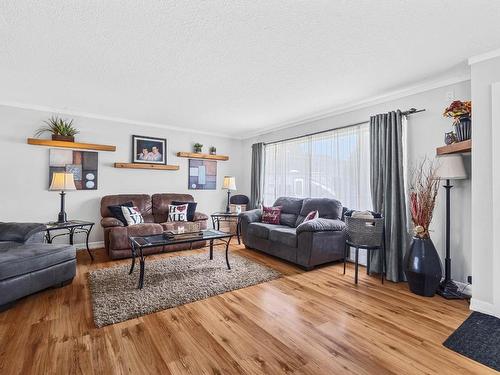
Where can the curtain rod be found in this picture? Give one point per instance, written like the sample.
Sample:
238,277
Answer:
410,111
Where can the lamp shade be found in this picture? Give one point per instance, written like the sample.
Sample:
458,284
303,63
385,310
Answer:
62,181
451,167
229,183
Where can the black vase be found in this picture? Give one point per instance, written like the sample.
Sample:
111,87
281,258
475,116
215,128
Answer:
463,129
423,267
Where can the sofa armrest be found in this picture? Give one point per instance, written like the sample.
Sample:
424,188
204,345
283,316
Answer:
251,216
108,222
321,225
21,232
198,216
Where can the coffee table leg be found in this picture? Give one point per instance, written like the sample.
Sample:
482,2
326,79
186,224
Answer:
141,274
211,249
132,247
227,253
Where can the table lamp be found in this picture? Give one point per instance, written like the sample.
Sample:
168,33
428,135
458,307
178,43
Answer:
62,181
229,184
450,167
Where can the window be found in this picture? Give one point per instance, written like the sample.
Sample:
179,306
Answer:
334,164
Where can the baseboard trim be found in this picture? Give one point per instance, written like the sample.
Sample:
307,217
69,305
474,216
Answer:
482,307
92,245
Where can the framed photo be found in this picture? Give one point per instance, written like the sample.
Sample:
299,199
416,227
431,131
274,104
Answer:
202,174
149,150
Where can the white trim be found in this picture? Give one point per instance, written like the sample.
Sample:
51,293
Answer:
92,245
393,95
117,120
482,307
484,56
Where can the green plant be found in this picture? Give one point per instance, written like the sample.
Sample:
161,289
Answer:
58,126
212,149
198,147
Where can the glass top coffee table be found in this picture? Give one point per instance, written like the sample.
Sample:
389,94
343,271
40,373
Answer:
138,243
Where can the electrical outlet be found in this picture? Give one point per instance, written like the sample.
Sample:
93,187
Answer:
469,279
450,95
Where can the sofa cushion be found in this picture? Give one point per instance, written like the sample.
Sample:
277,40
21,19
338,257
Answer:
271,215
19,259
191,208
284,235
328,208
290,210
261,230
19,232
117,213
141,201
161,201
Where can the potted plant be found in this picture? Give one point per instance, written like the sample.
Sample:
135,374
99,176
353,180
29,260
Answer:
61,129
213,150
461,113
422,264
197,147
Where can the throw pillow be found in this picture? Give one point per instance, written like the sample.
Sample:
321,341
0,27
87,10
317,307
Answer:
311,216
191,208
116,211
271,215
132,215
177,213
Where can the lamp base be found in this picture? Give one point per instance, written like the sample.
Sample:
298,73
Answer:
62,218
449,290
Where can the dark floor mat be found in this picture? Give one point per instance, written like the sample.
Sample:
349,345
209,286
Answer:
478,338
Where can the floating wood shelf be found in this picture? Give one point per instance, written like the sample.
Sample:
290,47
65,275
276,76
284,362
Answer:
147,166
195,155
455,148
85,146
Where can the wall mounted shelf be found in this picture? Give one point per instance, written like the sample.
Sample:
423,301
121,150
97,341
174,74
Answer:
147,166
84,146
455,148
195,155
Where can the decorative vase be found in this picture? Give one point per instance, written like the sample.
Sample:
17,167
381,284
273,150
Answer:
463,128
423,267
65,138
449,138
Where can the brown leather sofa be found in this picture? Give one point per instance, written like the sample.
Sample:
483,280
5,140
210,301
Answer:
154,209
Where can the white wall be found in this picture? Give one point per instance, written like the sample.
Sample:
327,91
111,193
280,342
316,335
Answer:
485,203
425,133
24,168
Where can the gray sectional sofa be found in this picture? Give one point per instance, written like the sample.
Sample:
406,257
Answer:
307,244
27,265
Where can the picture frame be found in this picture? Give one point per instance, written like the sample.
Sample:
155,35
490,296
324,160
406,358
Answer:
149,150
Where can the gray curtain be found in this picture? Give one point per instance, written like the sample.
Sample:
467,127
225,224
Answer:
257,175
388,189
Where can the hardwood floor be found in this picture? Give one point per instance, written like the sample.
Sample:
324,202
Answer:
315,322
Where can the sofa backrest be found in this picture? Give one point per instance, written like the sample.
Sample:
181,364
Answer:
161,201
141,201
290,210
328,208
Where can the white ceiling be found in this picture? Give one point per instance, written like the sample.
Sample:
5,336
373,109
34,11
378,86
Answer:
230,67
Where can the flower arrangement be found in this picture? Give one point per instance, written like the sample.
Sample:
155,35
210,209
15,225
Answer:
424,185
458,109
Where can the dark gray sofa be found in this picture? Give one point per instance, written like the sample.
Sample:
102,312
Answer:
27,265
307,244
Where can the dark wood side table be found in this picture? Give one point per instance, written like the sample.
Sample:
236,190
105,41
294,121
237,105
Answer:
217,217
70,228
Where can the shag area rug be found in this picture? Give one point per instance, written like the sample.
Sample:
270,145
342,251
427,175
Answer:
168,283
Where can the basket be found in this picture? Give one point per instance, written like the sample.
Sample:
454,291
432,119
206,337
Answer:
365,232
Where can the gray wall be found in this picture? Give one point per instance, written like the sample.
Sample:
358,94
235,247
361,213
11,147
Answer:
425,133
24,168
485,212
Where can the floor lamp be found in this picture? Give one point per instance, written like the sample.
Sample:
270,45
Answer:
450,167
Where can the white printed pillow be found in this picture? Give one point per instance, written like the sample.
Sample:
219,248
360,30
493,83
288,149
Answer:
177,212
311,216
132,215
